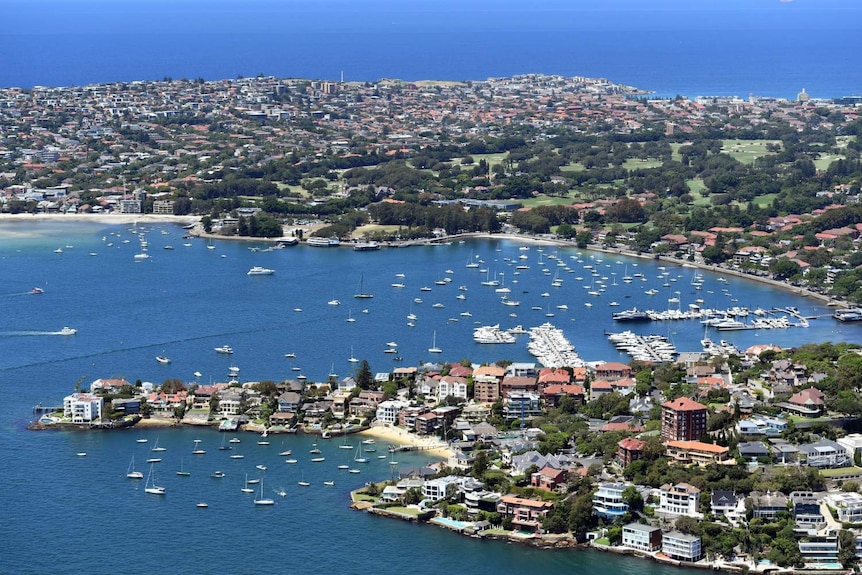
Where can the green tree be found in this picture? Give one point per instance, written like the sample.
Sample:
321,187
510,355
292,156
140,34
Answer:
364,377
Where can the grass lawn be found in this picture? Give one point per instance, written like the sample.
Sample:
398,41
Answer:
696,185
576,167
822,163
841,471
543,200
603,541
293,189
675,146
746,151
700,200
492,159
764,200
636,164
364,497
404,510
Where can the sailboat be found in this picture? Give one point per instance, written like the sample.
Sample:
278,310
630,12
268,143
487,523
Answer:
182,472
261,500
302,481
350,318
352,359
151,487
434,348
362,294
197,450
358,458
246,488
131,473
156,446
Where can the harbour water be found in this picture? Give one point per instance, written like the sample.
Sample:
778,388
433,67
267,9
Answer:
72,512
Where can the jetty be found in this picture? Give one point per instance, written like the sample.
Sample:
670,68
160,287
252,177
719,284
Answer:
551,348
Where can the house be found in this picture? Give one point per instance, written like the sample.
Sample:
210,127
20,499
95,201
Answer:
725,502
452,386
486,383
642,537
768,505
521,405
808,403
825,453
519,384
608,502
806,510
698,452
683,419
627,423
847,505
852,444
289,402
629,450
552,394
752,451
549,479
681,546
819,549
526,514
83,407
613,370
679,499
440,488
387,411
599,388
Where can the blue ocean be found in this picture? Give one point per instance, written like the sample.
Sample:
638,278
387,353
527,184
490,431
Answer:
71,513
710,47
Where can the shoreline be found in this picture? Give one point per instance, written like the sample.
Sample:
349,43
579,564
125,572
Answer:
403,437
101,218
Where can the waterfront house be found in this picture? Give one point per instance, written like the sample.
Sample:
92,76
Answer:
688,452
852,444
819,550
642,537
526,514
807,403
481,500
608,502
126,405
230,402
440,488
683,419
282,419
681,546
679,499
726,503
83,407
768,505
109,385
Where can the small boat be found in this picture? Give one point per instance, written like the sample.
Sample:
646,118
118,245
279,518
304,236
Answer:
217,474
68,331
197,450
37,290
163,359
234,440
285,453
246,488
263,442
154,460
343,467
353,471
290,460
333,302
237,456
225,349
141,440
260,271
156,446
329,483
314,451
281,492
261,467
202,505
290,355
317,459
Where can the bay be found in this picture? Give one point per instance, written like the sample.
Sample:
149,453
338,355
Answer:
186,301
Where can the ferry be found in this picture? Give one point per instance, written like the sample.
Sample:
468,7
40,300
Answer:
330,242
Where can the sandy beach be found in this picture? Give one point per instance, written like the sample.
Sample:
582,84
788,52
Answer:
429,445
